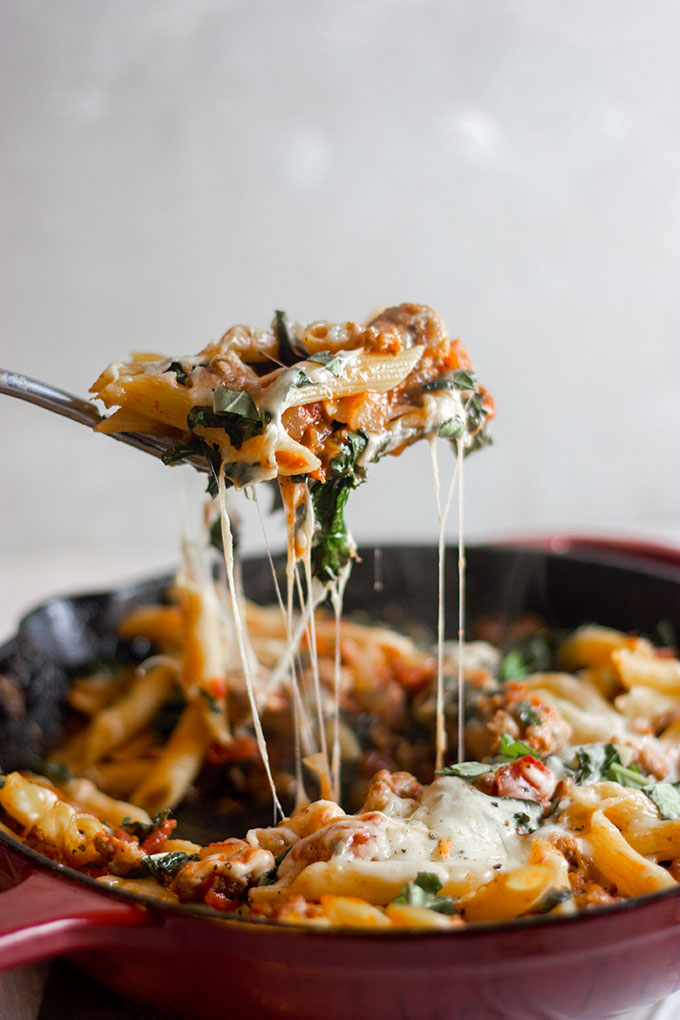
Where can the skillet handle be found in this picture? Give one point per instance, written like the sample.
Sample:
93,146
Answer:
45,916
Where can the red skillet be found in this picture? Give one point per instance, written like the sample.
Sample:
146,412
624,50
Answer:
189,964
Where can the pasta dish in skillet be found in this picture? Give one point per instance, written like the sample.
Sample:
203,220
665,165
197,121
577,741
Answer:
565,796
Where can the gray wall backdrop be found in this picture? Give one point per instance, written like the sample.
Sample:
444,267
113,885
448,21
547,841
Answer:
172,167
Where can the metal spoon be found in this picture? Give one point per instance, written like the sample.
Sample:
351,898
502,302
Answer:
83,411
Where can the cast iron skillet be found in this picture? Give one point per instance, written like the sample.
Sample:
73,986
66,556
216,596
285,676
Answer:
185,962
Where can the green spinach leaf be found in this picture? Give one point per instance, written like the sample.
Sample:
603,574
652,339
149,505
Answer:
331,548
422,892
289,352
512,748
163,865
666,796
526,714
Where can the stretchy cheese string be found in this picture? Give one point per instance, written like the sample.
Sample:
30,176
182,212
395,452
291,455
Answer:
316,594
228,546
337,593
442,514
461,604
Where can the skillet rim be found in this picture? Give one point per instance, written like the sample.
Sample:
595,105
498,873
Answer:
63,872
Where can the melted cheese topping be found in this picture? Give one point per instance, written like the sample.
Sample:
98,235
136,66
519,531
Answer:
456,832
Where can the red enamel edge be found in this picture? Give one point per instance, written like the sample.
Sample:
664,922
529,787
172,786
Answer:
573,544
44,916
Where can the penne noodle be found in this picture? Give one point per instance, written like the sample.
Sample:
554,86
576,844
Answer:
641,669
592,646
120,778
177,765
132,712
85,795
162,625
509,895
631,873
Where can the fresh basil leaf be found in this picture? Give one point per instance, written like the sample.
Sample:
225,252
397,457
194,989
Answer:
57,771
530,654
236,402
461,379
476,413
353,445
182,376
529,814
513,666
428,882
271,876
333,363
198,447
181,451
299,378
238,426
331,548
422,892
144,829
163,865
512,748
526,714
284,853
594,762
666,796
289,352
466,769
529,819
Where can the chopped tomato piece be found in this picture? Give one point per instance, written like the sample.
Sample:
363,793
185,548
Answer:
218,901
155,843
527,778
217,687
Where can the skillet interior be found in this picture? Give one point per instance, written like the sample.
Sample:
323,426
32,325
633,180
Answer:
65,636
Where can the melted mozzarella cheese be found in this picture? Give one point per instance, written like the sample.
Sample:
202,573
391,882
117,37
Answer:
482,829
455,831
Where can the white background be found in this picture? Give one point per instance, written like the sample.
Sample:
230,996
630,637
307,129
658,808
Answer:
173,167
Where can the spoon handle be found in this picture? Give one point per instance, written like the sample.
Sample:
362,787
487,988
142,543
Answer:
14,384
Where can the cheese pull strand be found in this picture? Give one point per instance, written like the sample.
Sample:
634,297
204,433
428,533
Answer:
228,545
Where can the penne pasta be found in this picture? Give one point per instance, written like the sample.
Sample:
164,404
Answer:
177,765
632,874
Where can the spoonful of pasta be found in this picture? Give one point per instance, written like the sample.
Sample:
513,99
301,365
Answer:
306,406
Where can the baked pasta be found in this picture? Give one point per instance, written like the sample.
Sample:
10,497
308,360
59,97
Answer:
307,407
565,791
570,801
177,718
